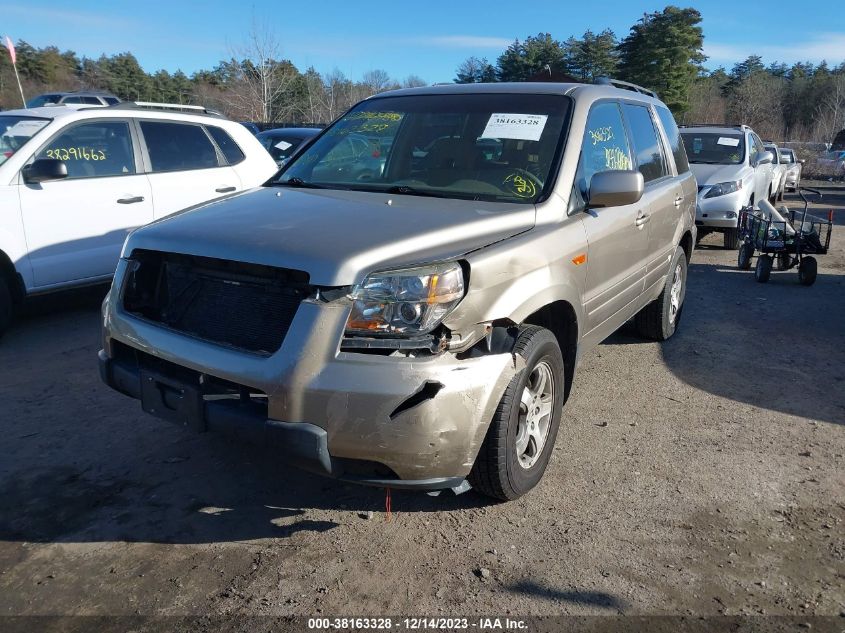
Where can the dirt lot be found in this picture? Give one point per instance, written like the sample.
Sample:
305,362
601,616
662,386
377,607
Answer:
704,476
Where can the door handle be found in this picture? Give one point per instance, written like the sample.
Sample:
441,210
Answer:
130,200
224,189
642,219
678,200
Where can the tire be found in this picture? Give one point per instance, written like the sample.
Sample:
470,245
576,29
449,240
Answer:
6,305
660,318
731,238
501,471
783,261
807,271
745,253
763,269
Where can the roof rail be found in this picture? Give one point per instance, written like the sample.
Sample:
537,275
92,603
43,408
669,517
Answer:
178,107
740,126
625,85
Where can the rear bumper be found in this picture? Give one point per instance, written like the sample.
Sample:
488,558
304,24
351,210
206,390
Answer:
301,444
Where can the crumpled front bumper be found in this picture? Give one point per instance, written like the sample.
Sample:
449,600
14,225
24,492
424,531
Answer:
332,412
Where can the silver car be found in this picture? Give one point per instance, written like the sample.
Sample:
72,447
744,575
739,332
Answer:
794,167
422,326
779,169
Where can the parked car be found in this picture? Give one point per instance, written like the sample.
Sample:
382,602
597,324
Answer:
733,171
74,182
831,165
778,170
80,97
283,142
423,326
792,179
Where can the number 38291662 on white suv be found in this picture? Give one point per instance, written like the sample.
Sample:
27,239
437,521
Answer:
75,181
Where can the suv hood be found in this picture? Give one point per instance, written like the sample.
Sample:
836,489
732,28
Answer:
335,236
714,174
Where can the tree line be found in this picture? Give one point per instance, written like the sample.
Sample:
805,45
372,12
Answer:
254,84
663,52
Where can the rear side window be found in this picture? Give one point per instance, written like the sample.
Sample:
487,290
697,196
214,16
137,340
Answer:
649,152
93,150
226,144
605,145
112,100
675,140
178,146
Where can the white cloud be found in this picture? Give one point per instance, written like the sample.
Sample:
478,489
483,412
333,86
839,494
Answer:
466,41
827,46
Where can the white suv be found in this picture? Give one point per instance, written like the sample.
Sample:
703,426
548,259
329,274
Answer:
74,181
733,171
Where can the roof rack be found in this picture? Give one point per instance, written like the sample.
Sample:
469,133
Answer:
177,107
625,85
739,126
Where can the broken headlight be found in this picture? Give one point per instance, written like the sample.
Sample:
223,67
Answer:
405,302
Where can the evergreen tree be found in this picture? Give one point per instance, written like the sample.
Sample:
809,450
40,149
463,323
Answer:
663,53
592,56
523,60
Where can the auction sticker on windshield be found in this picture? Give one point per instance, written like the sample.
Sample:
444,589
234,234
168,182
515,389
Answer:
727,140
522,127
25,128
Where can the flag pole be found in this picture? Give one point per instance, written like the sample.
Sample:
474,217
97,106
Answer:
15,66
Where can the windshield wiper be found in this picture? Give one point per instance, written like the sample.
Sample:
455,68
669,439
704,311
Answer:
405,190
298,182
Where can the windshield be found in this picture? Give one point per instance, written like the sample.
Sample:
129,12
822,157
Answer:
15,132
786,156
713,148
498,147
43,100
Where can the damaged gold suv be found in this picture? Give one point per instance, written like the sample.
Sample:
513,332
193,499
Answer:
405,303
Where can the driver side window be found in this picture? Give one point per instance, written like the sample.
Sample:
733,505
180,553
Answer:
604,147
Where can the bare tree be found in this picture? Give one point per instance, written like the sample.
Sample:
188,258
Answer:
377,81
830,113
257,77
413,81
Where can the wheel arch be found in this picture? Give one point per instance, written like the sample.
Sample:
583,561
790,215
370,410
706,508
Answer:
687,243
560,319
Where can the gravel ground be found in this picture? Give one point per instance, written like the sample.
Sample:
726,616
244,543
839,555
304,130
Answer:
703,476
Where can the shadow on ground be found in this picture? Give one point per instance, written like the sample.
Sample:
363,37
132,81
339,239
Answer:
777,346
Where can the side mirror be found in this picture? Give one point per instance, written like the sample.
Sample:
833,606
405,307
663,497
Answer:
765,157
615,188
44,169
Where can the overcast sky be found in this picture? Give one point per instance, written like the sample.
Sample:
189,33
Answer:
427,39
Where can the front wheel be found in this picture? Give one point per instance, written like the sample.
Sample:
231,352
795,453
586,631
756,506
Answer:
763,269
660,318
522,434
731,238
743,259
807,271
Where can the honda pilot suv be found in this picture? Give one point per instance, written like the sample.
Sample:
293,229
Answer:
733,171
416,324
